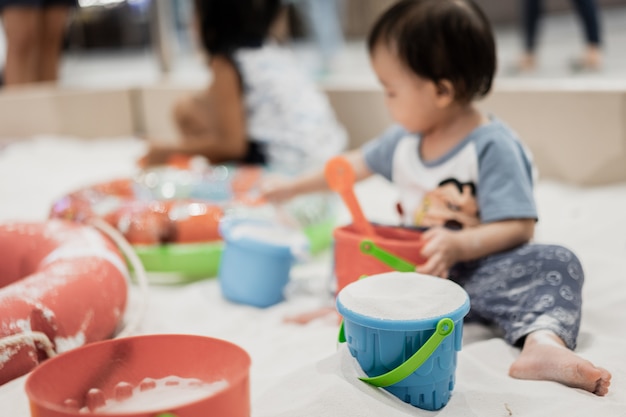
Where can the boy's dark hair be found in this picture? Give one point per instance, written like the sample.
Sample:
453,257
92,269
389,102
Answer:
225,25
441,40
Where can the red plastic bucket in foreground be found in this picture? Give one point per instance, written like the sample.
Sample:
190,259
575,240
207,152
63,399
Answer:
351,263
106,371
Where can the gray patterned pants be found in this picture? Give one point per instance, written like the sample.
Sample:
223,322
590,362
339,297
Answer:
531,287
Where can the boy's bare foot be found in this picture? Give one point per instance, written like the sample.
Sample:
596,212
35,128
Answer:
545,357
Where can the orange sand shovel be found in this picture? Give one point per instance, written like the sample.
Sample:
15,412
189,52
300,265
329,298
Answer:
340,177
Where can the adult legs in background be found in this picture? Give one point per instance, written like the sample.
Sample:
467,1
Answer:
34,40
21,26
324,21
531,13
587,10
325,17
590,19
53,22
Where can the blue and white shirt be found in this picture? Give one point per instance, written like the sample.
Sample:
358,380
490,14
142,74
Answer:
286,113
487,177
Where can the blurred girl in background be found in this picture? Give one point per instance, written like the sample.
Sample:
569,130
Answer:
260,107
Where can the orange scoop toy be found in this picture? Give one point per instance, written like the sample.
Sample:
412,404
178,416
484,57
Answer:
340,177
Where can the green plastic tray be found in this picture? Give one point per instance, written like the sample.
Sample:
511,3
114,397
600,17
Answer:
181,263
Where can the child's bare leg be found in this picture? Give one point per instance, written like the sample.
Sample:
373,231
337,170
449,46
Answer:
545,357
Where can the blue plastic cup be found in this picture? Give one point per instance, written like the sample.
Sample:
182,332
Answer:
257,259
393,318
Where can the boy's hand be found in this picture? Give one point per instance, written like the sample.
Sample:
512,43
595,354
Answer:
441,248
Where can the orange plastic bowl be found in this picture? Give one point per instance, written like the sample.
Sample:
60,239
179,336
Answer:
71,383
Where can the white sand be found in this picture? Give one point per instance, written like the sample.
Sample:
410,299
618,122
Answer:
297,370
402,296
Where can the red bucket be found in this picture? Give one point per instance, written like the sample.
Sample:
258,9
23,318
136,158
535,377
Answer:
86,380
351,263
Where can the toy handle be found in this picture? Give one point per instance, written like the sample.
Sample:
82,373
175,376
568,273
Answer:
445,326
368,247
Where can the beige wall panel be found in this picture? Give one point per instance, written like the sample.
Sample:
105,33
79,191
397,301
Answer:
361,110
25,112
75,112
154,107
577,136
96,114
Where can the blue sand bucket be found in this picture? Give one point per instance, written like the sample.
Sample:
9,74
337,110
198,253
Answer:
405,330
257,259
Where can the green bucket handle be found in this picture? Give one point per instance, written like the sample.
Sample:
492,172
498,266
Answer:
444,328
368,247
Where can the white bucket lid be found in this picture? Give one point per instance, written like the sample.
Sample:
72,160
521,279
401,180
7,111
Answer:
403,296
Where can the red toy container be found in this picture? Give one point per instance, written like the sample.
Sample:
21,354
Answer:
64,385
351,263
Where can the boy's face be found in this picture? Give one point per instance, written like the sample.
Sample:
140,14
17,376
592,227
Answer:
411,100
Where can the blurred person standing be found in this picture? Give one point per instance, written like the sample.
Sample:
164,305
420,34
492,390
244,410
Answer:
587,10
34,31
323,18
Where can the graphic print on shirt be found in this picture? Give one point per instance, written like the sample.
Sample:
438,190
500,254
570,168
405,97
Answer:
441,193
487,177
452,204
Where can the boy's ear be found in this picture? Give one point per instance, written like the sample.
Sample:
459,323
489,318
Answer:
445,92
